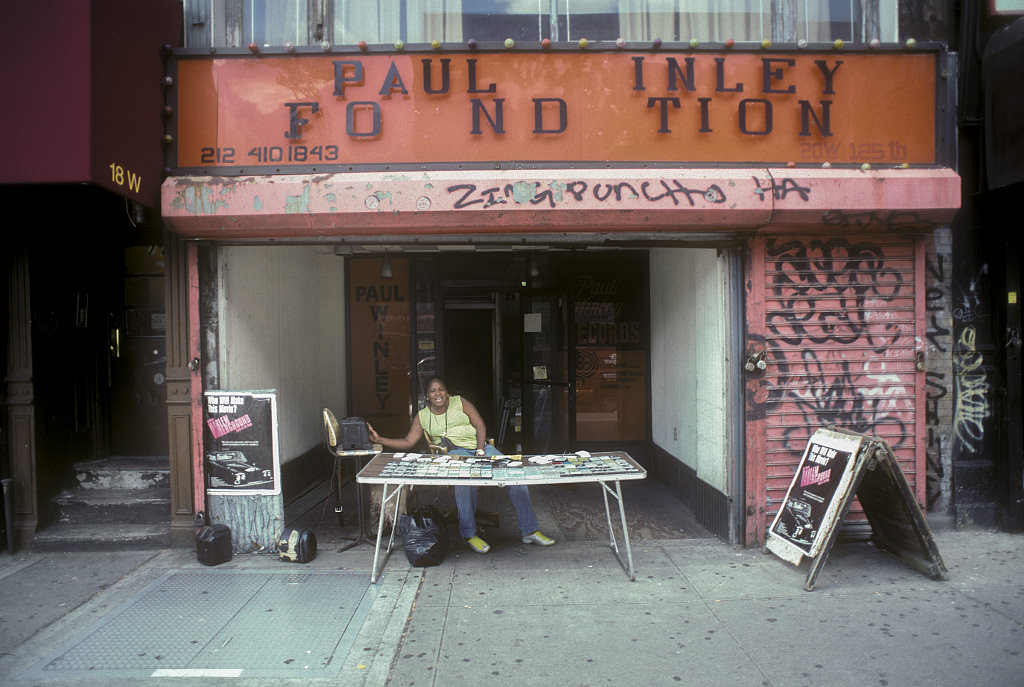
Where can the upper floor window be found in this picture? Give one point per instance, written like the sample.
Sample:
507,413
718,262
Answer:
236,23
274,22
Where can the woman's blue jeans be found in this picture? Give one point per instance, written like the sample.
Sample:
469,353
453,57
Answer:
466,500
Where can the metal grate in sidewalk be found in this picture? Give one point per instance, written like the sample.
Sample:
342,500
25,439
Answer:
212,622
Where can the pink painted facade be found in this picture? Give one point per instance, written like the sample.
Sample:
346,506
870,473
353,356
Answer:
563,200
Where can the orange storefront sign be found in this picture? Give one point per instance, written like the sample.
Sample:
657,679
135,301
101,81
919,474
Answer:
329,112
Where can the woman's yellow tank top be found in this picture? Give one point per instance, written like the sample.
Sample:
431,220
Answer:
453,424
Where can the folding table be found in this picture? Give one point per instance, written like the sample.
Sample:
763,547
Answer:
395,471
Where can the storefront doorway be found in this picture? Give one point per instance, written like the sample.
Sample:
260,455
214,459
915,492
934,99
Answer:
473,368
613,349
552,351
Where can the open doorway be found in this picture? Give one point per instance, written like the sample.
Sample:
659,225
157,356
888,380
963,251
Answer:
470,357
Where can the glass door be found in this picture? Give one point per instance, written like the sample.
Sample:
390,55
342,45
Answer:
549,394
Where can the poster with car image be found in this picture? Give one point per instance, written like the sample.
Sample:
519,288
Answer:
815,495
240,442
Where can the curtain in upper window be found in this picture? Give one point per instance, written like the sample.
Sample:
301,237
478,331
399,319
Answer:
385,21
274,22
704,20
235,23
813,22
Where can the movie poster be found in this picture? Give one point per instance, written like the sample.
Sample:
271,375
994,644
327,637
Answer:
240,442
811,502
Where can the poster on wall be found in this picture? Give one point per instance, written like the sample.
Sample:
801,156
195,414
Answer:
240,442
815,495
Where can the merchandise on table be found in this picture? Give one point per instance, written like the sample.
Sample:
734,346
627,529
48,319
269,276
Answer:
505,467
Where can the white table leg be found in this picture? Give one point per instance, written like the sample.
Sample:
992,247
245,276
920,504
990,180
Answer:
617,495
385,497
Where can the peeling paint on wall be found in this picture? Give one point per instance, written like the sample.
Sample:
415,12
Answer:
298,204
196,199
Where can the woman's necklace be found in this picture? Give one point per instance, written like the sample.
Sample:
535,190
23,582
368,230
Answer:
432,414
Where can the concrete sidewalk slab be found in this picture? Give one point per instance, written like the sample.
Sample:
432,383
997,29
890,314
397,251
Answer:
39,589
875,637
703,613
575,644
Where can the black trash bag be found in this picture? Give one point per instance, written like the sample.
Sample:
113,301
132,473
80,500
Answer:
425,537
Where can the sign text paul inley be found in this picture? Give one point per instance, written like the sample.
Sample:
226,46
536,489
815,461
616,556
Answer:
551,115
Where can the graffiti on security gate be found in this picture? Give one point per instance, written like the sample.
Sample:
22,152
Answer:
833,291
840,335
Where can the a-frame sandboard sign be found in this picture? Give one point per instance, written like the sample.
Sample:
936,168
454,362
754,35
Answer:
837,466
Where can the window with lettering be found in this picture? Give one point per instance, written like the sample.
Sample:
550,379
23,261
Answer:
610,333
380,318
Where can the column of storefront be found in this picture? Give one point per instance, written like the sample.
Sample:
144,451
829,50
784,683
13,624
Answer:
20,399
182,377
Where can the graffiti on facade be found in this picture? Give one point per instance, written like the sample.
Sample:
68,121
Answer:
780,189
971,392
555,193
878,220
939,371
840,344
969,306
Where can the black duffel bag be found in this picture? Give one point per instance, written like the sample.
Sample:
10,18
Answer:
425,537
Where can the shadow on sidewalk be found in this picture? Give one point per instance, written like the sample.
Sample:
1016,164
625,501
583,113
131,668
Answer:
570,512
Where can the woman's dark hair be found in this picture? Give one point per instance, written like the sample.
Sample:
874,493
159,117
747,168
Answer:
435,378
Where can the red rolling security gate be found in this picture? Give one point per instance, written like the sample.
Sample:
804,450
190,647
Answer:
840,323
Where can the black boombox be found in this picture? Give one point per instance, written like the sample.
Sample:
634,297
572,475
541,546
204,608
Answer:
298,546
353,435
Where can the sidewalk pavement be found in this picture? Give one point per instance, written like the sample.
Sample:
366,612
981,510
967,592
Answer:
700,612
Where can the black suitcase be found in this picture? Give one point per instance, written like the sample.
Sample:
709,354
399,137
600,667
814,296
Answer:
298,546
213,544
353,435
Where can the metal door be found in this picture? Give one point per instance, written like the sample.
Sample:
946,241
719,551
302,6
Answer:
843,330
137,361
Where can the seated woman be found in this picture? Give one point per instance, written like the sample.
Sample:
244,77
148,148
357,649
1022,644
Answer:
455,422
